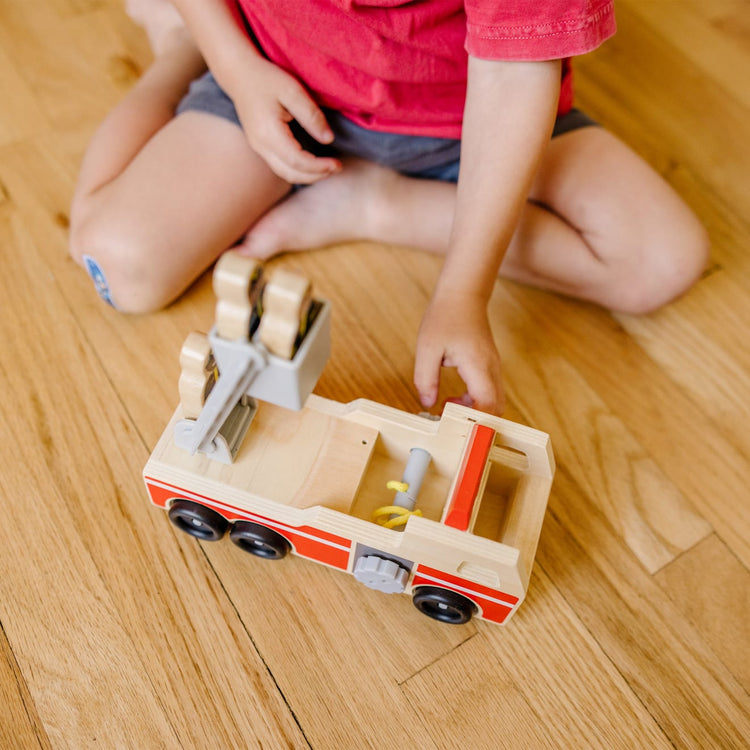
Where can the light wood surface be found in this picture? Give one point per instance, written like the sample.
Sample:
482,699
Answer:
117,631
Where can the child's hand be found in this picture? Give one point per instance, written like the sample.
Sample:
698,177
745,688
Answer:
267,101
455,332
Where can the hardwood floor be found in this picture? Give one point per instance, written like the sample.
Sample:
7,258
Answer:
117,631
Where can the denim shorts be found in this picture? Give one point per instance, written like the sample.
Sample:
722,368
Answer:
413,155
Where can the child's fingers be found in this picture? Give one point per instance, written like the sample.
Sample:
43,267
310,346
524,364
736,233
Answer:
481,371
311,118
484,389
291,162
427,366
302,171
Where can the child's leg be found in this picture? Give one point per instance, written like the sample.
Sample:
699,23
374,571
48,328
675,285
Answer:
605,227
159,198
149,105
601,225
186,197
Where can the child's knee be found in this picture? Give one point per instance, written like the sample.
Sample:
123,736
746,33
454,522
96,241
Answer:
118,266
663,271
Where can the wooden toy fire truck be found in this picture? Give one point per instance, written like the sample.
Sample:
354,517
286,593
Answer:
448,511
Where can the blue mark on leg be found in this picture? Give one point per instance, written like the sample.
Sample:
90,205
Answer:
97,276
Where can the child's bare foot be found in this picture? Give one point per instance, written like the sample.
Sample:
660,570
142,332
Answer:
362,202
341,208
160,20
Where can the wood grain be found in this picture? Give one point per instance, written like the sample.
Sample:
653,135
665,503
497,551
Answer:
117,631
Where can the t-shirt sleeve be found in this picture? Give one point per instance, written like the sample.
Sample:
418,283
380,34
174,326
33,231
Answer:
536,29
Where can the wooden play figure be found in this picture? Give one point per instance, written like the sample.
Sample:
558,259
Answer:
447,510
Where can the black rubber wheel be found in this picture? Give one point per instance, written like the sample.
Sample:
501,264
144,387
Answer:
198,520
444,605
259,540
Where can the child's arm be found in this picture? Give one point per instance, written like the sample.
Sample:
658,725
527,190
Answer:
266,97
508,117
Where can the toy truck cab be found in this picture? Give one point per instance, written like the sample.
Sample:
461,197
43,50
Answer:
448,511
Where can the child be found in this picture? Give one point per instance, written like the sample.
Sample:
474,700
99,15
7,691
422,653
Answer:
370,103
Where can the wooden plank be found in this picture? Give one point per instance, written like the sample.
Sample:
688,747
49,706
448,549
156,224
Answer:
701,345
145,650
338,650
20,725
700,32
680,442
375,324
543,683
46,56
694,699
21,115
74,648
60,650
38,180
77,7
620,84
620,476
649,642
711,589
452,713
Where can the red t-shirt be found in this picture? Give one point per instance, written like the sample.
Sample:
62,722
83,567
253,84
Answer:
400,66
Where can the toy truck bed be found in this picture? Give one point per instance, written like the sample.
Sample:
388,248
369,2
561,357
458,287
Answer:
309,482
